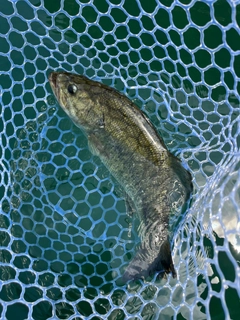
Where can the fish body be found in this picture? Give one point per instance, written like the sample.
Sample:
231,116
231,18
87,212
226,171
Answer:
130,147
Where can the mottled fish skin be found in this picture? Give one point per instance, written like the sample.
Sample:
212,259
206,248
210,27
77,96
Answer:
129,146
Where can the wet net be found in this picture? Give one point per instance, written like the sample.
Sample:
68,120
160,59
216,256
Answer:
65,237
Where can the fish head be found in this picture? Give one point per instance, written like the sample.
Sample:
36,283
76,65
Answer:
79,98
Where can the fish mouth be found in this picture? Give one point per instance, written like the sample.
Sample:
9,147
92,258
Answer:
53,79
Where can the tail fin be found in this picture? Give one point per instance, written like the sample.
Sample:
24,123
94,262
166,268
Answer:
146,262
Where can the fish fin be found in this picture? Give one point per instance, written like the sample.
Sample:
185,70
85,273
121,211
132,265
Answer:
166,259
138,267
146,262
94,145
183,175
130,211
130,207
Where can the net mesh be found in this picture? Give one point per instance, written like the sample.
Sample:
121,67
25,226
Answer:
64,233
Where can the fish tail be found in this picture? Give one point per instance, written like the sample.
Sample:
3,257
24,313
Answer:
146,262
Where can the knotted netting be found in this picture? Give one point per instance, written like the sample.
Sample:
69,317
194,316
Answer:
65,237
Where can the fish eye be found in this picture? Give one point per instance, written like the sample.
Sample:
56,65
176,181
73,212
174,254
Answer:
72,88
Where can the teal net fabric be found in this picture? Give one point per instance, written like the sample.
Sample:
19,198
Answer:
65,237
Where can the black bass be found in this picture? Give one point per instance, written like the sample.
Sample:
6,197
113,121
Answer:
129,146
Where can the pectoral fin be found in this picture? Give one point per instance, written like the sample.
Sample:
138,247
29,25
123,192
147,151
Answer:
94,145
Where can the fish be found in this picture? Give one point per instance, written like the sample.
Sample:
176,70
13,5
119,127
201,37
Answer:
154,180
